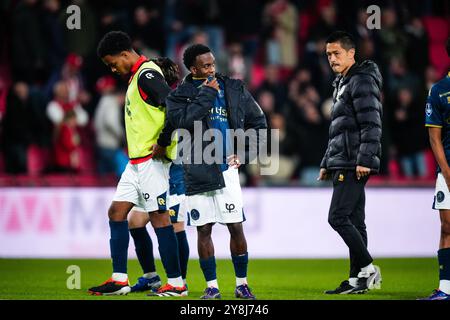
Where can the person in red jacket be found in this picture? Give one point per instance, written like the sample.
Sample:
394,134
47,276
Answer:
67,158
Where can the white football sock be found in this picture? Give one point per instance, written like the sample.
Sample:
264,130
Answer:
240,281
353,282
120,277
175,282
444,286
212,283
369,269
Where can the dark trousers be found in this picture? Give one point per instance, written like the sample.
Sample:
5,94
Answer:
346,217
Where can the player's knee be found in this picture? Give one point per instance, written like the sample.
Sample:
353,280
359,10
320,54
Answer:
160,219
204,232
178,226
134,222
236,230
336,222
114,214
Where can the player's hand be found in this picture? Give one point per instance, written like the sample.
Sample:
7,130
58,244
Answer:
362,172
233,161
323,174
213,84
158,152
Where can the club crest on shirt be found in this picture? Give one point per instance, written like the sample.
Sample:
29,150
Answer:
428,109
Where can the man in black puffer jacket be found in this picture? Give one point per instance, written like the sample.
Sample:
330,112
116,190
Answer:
207,101
353,153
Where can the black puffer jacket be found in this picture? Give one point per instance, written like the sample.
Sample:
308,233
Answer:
355,130
188,103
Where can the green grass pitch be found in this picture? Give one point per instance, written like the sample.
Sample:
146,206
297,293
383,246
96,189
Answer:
270,279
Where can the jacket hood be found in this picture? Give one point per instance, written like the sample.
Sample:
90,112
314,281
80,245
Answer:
370,68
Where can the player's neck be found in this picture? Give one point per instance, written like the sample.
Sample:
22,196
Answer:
134,58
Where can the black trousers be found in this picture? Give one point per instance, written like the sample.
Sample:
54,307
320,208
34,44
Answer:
347,215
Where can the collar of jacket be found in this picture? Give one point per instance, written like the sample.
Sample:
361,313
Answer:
345,78
229,82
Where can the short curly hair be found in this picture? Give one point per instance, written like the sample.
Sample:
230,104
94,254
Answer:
112,43
192,52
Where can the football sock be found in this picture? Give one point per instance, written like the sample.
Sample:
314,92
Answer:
168,250
183,252
118,244
212,283
175,282
120,277
368,269
444,270
208,267
144,249
240,281
353,282
240,264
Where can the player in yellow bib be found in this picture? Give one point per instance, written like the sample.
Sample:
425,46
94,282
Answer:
145,181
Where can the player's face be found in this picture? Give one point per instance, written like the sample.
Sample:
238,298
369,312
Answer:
340,60
117,63
204,66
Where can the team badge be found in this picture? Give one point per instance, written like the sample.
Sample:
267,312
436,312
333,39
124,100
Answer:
440,196
428,109
341,177
195,214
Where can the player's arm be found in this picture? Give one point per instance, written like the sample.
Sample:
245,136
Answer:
154,89
434,121
183,111
367,106
438,151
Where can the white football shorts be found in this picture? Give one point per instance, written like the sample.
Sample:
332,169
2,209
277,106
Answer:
441,194
145,184
223,206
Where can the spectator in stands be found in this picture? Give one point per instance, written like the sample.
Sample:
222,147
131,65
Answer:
409,134
393,41
27,44
280,18
109,129
67,141
148,21
417,43
306,125
234,64
61,104
17,133
273,84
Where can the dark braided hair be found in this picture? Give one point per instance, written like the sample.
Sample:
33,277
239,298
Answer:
169,69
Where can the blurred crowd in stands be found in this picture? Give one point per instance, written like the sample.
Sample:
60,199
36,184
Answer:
61,110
